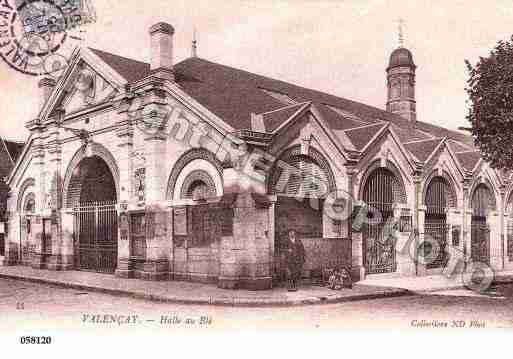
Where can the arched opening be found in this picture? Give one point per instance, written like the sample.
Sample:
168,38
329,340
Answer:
301,183
27,228
482,202
92,195
438,198
509,229
381,191
198,186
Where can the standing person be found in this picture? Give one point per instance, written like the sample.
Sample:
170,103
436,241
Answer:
295,258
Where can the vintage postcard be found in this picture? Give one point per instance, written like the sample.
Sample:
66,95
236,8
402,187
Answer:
182,166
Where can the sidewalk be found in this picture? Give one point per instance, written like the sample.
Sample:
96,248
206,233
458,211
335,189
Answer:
197,293
427,284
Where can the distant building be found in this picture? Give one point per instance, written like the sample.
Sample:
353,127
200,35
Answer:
9,153
158,183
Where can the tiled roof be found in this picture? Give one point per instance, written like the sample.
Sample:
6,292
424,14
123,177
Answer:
362,135
423,149
273,119
15,149
131,70
468,159
234,94
460,147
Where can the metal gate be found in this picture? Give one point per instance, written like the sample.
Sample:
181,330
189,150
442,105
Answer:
96,233
380,256
482,201
438,231
379,246
480,240
438,198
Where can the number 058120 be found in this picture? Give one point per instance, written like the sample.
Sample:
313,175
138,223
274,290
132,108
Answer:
35,340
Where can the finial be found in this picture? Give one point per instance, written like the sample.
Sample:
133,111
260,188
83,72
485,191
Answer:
401,34
194,52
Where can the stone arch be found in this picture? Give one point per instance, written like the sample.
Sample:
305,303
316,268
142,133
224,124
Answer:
399,190
184,160
483,190
450,193
96,150
479,183
294,152
195,177
29,203
508,206
29,182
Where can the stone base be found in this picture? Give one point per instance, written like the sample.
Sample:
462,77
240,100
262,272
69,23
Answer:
125,269
58,262
38,261
154,271
357,273
261,283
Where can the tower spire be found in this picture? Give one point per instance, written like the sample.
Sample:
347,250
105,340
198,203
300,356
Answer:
194,51
401,32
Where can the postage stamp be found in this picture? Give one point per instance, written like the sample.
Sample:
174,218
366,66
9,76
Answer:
33,31
273,166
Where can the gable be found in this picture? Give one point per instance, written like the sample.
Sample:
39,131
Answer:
90,89
87,82
6,163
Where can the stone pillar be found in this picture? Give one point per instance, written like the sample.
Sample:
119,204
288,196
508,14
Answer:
156,265
125,134
38,257
420,258
155,177
245,261
67,253
467,222
502,226
493,221
54,164
357,247
125,267
12,237
418,227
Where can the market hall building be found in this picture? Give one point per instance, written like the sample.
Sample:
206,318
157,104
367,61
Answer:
139,170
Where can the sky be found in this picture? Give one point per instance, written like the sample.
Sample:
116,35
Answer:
339,47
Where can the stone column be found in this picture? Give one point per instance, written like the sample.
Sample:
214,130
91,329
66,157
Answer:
67,255
418,222
503,231
466,236
420,258
245,257
125,134
156,266
54,164
493,220
11,237
38,259
356,236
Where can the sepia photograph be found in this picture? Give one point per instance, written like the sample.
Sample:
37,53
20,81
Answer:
206,166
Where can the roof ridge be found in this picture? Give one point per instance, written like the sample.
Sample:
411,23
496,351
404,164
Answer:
284,108
365,126
267,77
121,57
425,140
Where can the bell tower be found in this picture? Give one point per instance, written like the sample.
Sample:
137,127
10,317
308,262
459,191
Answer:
401,81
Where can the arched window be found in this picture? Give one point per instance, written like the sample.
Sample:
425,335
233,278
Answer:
439,196
198,185
482,201
381,190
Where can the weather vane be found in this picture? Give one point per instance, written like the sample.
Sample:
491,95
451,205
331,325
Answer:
401,34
